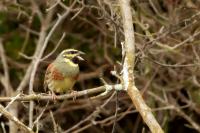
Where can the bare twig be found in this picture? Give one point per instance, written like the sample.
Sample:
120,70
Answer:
37,56
91,117
43,43
57,45
11,102
116,112
15,120
54,123
5,82
59,97
7,85
178,110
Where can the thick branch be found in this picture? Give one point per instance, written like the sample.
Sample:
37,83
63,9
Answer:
128,67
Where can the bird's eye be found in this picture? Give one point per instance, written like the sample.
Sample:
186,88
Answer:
73,52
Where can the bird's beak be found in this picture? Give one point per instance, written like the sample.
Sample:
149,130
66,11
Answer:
80,53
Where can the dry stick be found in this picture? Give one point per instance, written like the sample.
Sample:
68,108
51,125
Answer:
56,47
26,78
90,118
83,128
6,82
128,67
7,85
90,92
178,110
11,102
54,123
60,97
116,112
38,54
37,60
3,127
186,40
128,111
108,121
36,122
15,120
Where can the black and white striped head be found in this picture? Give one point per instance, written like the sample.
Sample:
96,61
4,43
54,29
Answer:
71,55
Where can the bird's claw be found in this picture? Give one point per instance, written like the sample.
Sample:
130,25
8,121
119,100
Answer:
74,93
54,96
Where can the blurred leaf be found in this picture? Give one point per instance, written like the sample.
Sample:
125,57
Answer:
5,24
13,46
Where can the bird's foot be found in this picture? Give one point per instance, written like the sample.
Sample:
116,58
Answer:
54,96
74,93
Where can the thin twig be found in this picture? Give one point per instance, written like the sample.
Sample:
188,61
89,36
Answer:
6,82
8,86
15,120
39,56
57,45
59,97
54,123
177,109
92,116
116,112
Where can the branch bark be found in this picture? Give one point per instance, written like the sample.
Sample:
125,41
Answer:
128,69
15,120
39,97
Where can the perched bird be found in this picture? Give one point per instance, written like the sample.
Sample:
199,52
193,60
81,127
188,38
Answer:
62,73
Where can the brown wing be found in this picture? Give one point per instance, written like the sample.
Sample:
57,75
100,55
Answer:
56,75
76,77
52,73
47,76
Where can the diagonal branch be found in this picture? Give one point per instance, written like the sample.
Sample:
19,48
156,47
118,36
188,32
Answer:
128,69
15,120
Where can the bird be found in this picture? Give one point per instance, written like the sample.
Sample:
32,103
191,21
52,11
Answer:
62,73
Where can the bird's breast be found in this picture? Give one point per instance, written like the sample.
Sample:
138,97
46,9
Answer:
67,69
62,86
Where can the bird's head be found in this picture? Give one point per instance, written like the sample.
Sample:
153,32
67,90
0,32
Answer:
71,55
